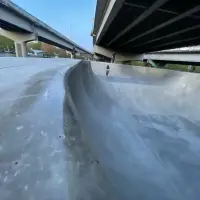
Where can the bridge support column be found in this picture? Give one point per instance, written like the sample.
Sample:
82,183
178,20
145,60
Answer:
20,49
20,40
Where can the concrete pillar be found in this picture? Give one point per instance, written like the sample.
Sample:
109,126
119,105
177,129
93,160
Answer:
24,49
20,40
16,49
20,49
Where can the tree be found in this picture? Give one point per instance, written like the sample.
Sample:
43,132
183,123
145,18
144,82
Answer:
34,45
48,49
62,53
52,51
6,43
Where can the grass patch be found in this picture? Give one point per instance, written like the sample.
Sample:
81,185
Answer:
184,68
176,67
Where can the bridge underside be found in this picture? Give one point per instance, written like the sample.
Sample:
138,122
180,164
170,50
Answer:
11,27
15,29
18,21
136,26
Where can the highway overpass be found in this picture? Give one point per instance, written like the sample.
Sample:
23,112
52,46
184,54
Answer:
20,26
186,56
131,27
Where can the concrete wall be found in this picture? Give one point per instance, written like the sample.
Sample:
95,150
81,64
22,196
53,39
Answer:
120,57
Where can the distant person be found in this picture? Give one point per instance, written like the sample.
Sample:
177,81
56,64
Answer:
113,57
74,52
107,70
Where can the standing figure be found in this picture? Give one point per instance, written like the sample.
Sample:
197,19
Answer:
73,51
107,70
113,57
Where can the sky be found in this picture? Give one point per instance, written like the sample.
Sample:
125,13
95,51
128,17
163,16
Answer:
72,18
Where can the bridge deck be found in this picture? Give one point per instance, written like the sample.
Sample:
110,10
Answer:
144,26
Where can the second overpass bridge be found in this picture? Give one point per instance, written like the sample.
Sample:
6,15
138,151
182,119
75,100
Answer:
20,26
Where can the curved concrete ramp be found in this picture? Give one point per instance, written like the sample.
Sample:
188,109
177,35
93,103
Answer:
133,136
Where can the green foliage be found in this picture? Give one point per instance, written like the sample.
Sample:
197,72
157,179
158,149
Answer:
176,67
138,63
181,68
6,43
34,45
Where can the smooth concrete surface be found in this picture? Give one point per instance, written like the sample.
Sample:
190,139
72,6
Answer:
67,133
33,154
142,127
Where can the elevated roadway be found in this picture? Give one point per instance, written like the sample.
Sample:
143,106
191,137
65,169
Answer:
182,56
135,27
20,26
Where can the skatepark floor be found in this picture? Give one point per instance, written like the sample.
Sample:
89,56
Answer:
69,132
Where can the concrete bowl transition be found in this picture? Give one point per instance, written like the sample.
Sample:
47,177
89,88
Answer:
138,133
69,132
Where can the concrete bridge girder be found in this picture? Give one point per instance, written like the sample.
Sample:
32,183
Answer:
155,59
19,37
119,57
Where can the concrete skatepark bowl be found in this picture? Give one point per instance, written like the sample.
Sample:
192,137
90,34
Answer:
132,135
